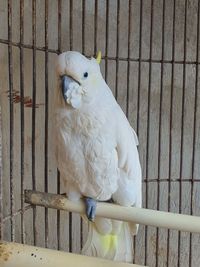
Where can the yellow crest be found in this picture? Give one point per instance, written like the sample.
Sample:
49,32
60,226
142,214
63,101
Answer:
98,59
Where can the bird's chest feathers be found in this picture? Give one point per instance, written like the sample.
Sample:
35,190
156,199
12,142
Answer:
86,152
84,135
88,124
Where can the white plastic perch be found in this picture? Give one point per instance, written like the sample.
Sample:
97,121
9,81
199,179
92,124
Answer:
19,255
156,218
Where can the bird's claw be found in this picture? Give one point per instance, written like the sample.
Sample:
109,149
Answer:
90,208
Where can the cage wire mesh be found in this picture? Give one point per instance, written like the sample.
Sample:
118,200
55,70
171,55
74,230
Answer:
151,62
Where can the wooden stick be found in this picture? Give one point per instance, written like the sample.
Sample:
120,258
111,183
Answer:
19,255
156,218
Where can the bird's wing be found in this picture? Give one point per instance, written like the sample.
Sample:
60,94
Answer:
129,186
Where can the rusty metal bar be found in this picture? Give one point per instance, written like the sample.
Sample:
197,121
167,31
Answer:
22,116
129,214
18,255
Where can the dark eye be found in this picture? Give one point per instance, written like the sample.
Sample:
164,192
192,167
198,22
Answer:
85,74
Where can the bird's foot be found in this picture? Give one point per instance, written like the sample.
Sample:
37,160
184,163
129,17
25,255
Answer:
90,208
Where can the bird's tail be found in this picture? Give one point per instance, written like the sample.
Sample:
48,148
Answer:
116,245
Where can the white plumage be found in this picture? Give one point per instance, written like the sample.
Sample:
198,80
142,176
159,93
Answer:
96,152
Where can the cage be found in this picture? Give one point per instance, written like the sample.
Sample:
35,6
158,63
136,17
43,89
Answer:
151,62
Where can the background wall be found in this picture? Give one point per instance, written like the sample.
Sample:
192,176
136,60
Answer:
151,62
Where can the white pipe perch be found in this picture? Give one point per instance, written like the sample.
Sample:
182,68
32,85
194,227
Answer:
19,255
155,218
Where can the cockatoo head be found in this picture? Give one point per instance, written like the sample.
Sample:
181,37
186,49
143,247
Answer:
79,78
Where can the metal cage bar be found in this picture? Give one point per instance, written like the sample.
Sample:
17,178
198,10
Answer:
160,120
58,174
135,59
11,118
1,182
22,116
182,124
170,123
46,121
194,123
33,114
71,48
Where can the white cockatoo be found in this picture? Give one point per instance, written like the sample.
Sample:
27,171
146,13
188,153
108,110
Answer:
96,151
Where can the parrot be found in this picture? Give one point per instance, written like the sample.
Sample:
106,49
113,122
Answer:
96,153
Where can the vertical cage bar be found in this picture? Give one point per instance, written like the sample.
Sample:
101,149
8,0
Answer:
128,79
71,24
58,173
106,40
58,212
83,52
160,123
83,26
33,113
129,49
10,71
139,67
117,49
22,116
139,80
194,126
1,181
182,126
46,122
59,25
95,26
170,125
148,123
71,46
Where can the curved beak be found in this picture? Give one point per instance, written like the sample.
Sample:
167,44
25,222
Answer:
65,86
65,82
